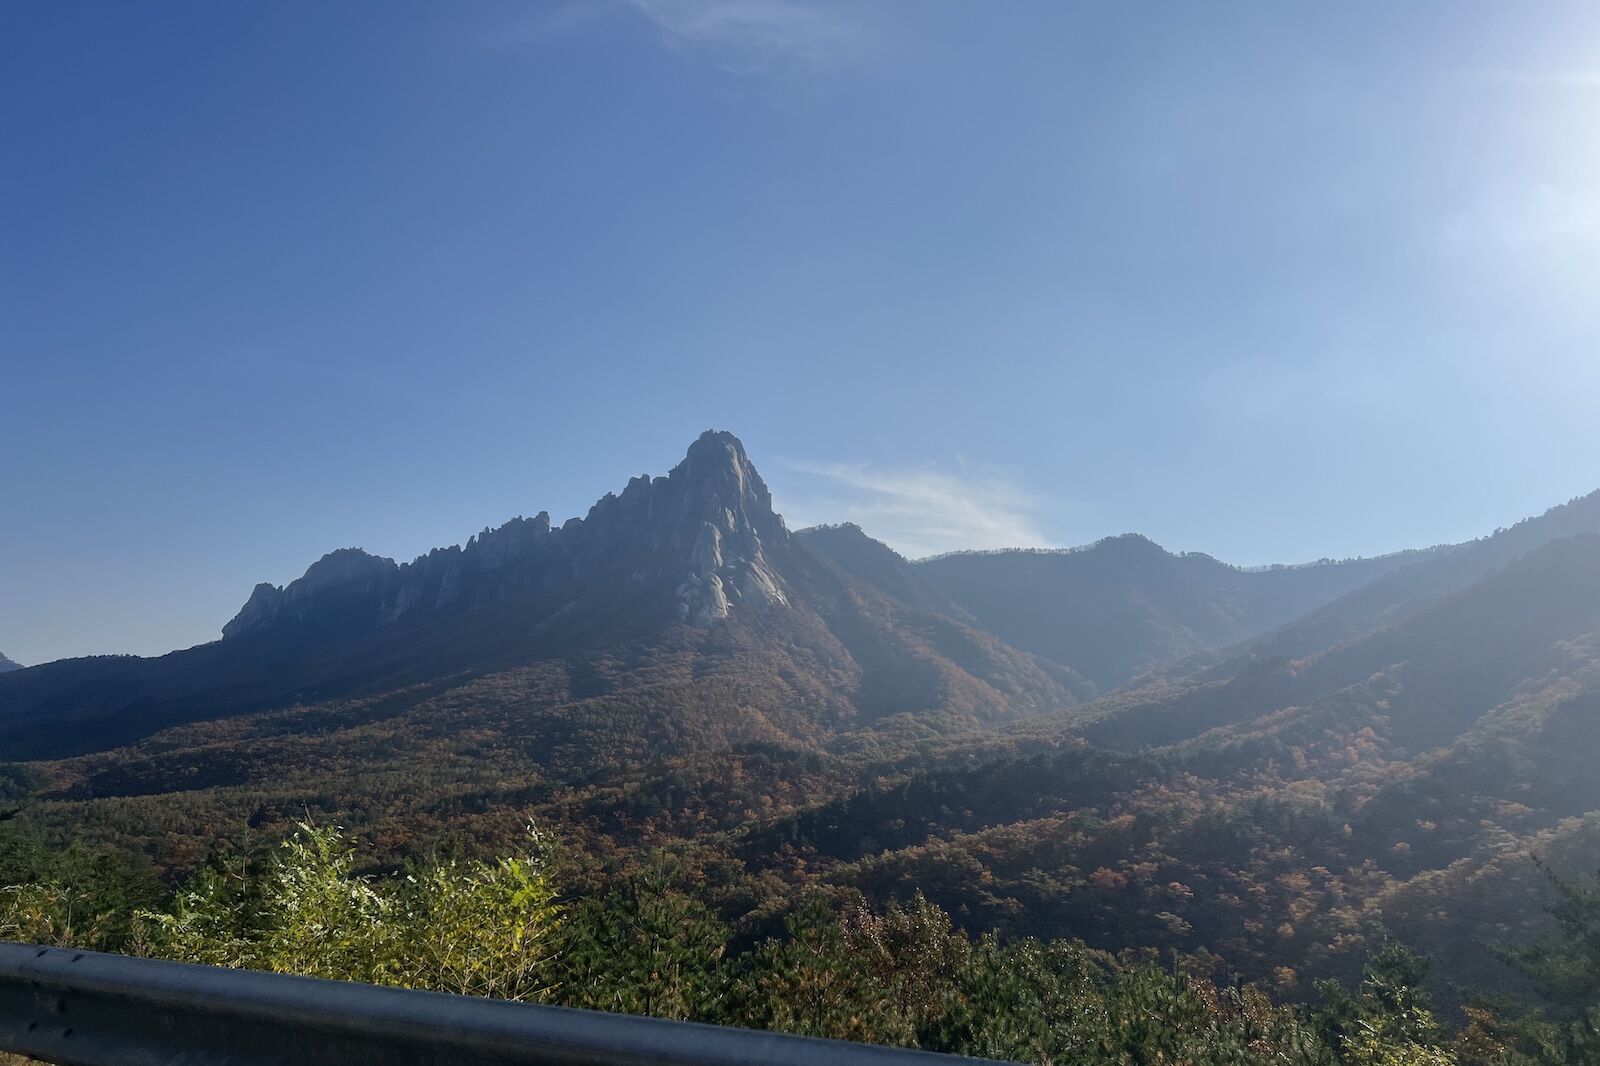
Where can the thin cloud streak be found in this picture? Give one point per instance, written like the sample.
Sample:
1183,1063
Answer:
755,36
916,512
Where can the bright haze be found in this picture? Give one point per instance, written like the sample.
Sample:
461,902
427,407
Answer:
1271,283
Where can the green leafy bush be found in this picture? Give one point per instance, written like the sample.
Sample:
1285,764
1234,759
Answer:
478,928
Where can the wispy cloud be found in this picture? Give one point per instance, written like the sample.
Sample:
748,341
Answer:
756,36
742,37
918,512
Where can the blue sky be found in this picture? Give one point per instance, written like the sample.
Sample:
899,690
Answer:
1268,282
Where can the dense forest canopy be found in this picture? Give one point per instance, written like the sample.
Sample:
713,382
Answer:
904,974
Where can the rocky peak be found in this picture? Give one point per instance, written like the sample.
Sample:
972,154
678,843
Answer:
1130,546
346,579
343,567
704,531
717,471
259,610
719,517
7,665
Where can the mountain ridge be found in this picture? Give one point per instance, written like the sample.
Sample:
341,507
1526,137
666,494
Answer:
1125,606
1392,596
708,521
650,579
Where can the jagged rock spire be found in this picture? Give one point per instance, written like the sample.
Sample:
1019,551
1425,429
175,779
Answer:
703,532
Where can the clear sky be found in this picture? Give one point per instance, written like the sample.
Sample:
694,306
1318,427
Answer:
1268,281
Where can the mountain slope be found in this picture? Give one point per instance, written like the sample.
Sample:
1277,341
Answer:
7,665
1287,818
1446,662
852,550
1405,590
684,599
1124,606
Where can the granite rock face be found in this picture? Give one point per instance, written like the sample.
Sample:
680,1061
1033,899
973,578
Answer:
724,516
696,542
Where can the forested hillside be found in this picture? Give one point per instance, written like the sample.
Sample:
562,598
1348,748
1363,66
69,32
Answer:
678,687
903,974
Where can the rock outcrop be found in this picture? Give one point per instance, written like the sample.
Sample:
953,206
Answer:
699,538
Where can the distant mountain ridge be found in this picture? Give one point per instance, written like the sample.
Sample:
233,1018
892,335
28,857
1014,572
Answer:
689,581
1401,592
8,664
1124,606
1458,656
945,643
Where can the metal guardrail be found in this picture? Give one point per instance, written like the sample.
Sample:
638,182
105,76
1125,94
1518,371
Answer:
89,1009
